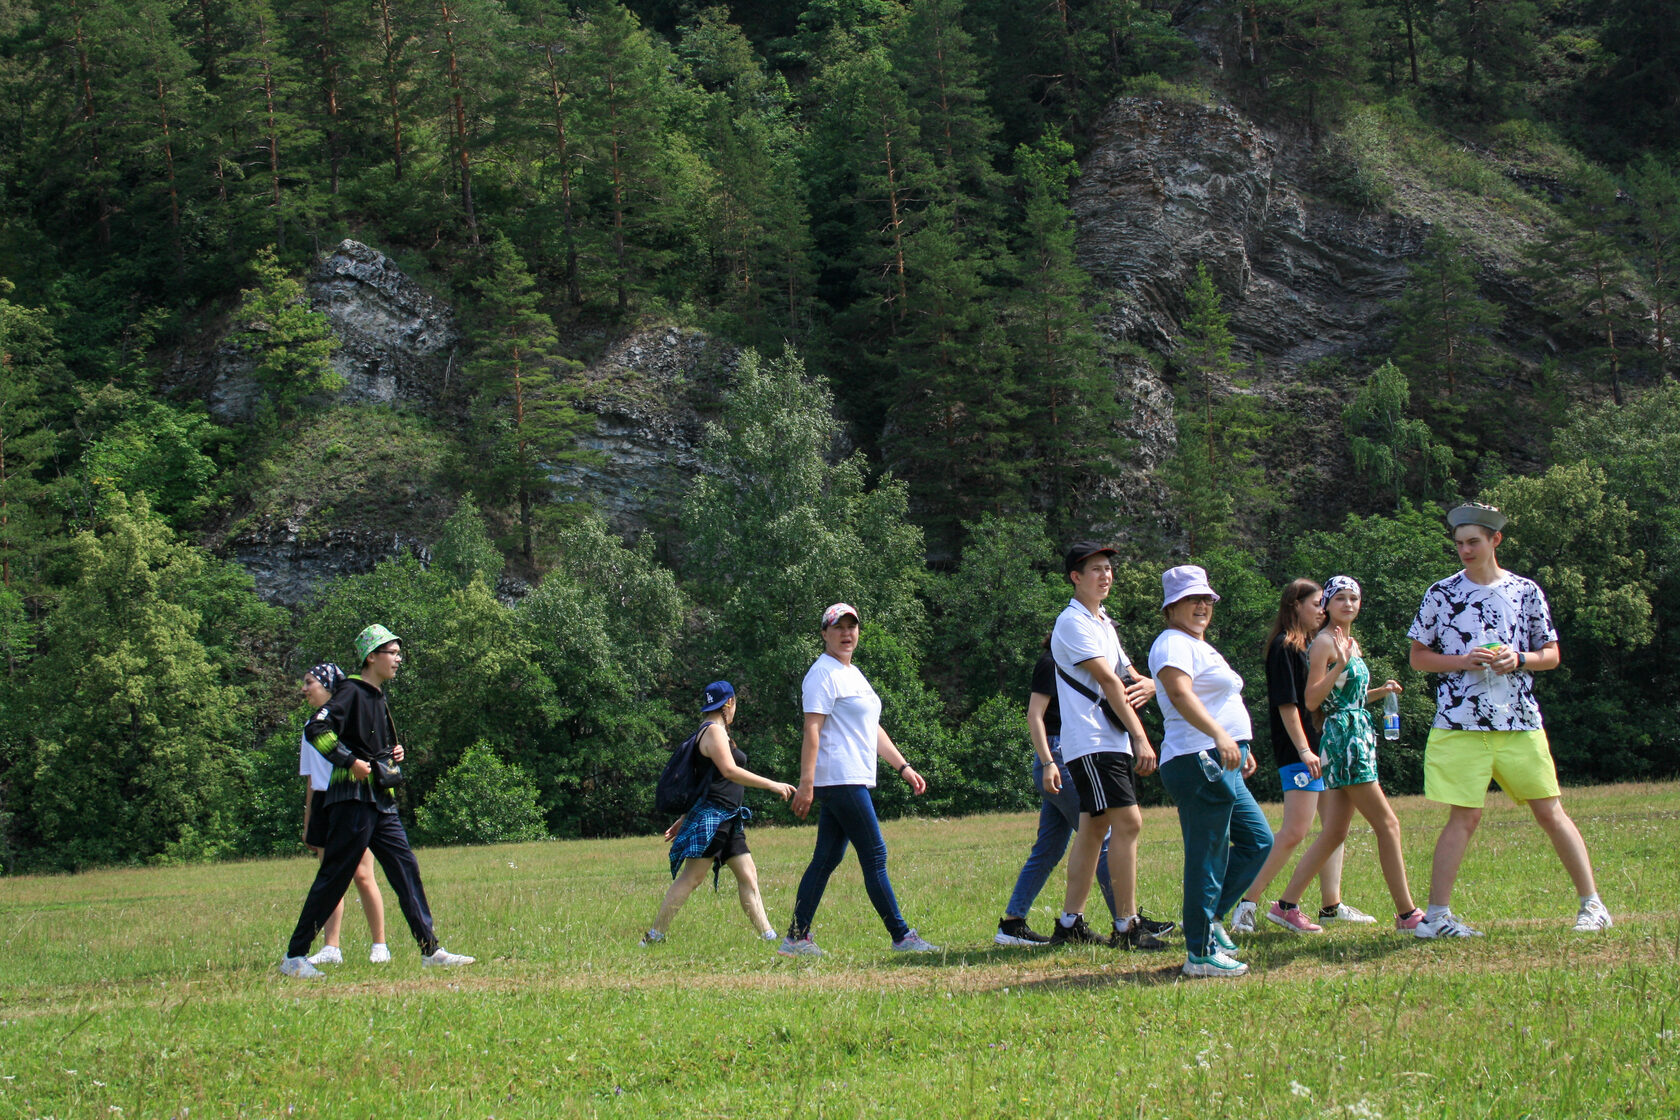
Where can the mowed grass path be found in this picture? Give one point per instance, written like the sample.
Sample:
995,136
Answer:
154,992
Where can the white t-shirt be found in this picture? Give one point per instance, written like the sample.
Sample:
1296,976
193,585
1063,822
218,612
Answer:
1081,636
312,764
846,744
1212,681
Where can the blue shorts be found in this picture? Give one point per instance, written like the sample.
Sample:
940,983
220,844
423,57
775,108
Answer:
1296,776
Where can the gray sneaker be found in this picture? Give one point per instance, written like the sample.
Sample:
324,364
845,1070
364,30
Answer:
798,947
912,943
300,968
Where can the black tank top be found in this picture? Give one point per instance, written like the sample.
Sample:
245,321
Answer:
726,793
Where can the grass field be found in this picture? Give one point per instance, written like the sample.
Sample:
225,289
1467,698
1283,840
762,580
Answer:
155,993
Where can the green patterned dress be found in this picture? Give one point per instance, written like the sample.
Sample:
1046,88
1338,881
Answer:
1349,743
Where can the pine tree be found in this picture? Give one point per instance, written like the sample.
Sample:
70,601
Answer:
1579,269
290,343
1655,187
1388,447
28,355
1446,324
523,403
1071,413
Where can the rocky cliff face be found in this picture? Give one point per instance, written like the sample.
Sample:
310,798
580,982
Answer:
1168,185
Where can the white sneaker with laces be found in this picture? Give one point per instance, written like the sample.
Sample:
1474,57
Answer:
1592,918
1444,926
380,953
1243,920
300,968
443,958
1346,913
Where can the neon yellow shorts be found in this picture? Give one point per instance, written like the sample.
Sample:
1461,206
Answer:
1458,764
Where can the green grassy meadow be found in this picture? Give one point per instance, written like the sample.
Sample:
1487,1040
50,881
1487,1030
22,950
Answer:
155,992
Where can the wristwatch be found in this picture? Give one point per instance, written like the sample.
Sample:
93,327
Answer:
1522,659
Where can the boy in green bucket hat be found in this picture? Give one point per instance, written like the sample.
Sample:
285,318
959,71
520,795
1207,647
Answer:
354,732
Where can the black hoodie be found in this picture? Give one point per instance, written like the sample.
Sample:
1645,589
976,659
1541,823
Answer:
354,724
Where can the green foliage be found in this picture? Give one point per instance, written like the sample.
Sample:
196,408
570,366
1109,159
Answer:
464,550
982,769
134,730
1655,187
1445,328
1388,447
289,344
140,446
30,368
482,800
776,532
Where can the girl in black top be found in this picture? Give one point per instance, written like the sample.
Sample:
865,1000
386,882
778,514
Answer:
713,833
1295,750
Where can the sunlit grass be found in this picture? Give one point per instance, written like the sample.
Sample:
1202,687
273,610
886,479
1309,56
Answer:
154,992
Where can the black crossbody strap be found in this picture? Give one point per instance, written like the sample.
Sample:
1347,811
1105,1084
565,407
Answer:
1100,701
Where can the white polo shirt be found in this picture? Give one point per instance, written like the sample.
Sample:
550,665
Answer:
1081,636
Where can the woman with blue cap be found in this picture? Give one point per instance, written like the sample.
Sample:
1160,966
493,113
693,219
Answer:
713,834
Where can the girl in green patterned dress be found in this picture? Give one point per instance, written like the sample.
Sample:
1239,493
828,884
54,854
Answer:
1338,683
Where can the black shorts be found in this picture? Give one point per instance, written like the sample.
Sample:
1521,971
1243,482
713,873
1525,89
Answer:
1103,781
729,841
316,835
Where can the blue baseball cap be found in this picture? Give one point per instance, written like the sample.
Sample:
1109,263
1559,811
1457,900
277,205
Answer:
718,693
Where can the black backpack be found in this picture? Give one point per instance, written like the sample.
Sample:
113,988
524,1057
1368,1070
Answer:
685,777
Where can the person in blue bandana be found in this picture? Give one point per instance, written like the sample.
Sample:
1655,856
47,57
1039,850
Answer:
713,834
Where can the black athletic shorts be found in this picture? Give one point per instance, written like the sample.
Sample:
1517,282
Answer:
316,835
1103,781
729,841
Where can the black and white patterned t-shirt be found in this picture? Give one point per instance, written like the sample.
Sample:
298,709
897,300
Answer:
1457,615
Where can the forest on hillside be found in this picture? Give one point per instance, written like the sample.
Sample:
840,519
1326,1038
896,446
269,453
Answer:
871,199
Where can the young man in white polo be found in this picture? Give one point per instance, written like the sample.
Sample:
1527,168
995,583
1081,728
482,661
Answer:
1486,632
1101,756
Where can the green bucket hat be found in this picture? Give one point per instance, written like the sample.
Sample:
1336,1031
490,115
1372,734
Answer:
371,639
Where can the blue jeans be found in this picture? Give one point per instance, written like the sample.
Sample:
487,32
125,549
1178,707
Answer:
1058,816
848,813
1226,841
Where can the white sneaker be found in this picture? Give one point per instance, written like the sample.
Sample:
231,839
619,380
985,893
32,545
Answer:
1243,920
380,953
769,935
1213,965
443,958
1346,913
329,954
301,968
1592,918
1444,926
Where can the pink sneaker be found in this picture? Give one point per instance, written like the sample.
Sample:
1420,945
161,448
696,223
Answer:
1410,921
1293,920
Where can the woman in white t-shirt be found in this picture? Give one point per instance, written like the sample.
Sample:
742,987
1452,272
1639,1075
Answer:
318,686
842,739
1204,758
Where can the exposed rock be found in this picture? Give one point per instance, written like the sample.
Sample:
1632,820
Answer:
1169,184
289,561
649,393
397,342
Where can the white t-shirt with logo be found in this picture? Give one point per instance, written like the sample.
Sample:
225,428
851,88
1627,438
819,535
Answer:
846,745
1212,681
312,764
1080,636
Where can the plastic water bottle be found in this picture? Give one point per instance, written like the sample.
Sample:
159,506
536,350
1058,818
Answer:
1391,716
1212,769
1497,687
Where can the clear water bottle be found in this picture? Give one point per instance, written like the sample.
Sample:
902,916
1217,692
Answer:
1212,769
1498,689
1391,717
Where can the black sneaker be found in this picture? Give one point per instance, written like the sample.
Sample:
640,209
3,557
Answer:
1077,934
1159,929
1136,938
1015,931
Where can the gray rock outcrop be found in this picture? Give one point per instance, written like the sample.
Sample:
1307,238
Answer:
396,340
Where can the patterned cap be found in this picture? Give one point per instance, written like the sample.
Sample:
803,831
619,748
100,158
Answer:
837,612
371,639
328,675
1336,584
